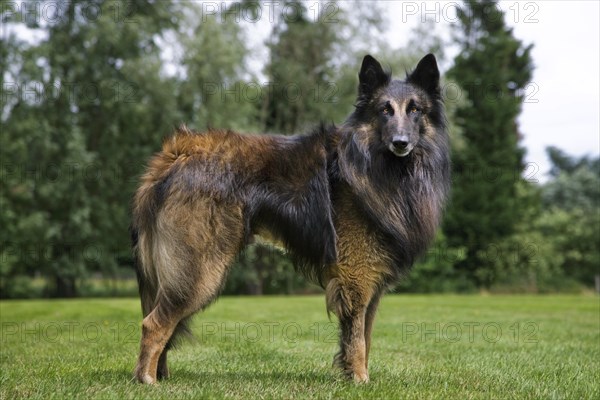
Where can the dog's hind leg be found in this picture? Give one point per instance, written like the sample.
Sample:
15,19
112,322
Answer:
195,255
159,326
163,369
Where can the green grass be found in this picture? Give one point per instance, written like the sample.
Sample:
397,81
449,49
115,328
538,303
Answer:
281,347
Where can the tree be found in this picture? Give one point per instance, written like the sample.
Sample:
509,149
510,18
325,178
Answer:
575,182
299,72
492,68
95,107
570,221
215,90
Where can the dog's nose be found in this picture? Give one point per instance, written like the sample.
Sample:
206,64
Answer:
400,142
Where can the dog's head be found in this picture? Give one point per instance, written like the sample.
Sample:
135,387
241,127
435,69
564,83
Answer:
398,112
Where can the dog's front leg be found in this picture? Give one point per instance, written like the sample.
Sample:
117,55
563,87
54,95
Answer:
351,309
353,345
369,318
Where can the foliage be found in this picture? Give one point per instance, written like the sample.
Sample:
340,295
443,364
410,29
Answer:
91,94
570,221
90,105
435,272
575,183
554,248
299,71
492,69
212,92
262,269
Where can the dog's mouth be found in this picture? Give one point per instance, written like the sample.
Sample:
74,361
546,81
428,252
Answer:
401,151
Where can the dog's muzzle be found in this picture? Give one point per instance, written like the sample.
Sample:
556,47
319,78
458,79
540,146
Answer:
400,146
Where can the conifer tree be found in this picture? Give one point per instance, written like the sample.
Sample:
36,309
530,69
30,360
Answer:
492,68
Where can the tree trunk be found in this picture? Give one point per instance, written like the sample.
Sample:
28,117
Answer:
65,287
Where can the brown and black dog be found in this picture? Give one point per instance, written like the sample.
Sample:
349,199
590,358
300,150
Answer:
354,205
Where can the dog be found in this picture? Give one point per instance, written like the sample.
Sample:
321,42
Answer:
353,204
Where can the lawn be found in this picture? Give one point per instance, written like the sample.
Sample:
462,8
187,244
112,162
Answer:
438,346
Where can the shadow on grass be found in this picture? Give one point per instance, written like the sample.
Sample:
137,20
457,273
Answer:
220,378
253,376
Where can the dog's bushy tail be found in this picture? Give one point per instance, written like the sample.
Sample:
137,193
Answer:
149,265
149,289
147,286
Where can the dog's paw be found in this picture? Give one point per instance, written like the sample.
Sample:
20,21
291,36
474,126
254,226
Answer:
360,377
144,378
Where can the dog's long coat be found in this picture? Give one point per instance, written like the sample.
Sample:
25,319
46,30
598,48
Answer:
354,205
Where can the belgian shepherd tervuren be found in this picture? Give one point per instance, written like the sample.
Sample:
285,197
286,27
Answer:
353,204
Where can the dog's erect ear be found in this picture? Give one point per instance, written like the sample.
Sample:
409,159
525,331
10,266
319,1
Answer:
426,75
371,77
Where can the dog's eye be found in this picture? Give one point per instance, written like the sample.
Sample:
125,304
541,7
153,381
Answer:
387,109
414,110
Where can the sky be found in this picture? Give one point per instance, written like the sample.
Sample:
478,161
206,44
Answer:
562,101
